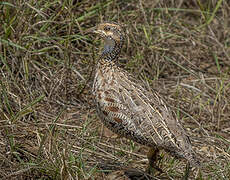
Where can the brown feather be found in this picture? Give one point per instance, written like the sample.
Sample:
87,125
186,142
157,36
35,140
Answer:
127,108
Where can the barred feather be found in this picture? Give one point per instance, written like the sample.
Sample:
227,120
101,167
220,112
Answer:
127,108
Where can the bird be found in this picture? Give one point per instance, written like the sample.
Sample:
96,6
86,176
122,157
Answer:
129,109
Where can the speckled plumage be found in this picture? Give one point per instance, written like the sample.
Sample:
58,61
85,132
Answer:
127,108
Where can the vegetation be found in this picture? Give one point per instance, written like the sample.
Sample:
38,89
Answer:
48,125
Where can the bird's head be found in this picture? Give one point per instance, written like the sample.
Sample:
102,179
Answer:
109,31
113,36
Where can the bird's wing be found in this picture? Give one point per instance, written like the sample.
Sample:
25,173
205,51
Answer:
149,113
130,110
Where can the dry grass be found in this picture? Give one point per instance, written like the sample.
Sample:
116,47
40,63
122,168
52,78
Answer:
49,128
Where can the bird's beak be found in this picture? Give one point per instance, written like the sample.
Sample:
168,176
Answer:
94,30
90,30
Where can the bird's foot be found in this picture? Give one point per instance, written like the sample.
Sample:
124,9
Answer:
153,168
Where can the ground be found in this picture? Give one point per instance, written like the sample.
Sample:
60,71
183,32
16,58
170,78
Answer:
49,127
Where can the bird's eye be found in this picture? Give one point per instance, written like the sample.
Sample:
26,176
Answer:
106,28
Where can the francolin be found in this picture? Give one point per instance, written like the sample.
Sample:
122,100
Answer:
127,108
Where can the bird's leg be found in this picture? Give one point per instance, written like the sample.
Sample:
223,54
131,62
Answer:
187,170
153,156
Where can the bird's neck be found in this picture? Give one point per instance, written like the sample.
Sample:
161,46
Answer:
111,50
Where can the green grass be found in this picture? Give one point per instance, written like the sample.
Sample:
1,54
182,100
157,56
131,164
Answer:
49,128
